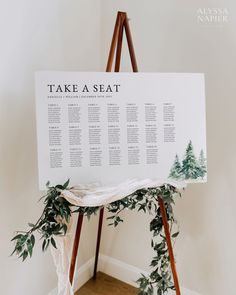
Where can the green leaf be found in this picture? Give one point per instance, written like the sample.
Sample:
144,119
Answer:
150,291
13,251
32,240
60,186
30,248
64,226
65,185
31,224
175,234
47,244
19,249
67,218
24,255
44,245
53,242
17,237
111,217
118,219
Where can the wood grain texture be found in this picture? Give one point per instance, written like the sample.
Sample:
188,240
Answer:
75,247
106,285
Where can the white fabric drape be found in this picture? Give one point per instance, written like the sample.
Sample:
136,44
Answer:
91,196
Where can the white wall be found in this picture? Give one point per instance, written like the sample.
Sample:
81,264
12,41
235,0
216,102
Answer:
35,35
168,38
70,35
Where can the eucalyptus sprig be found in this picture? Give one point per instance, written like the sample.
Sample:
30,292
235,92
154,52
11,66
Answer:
146,200
53,221
56,216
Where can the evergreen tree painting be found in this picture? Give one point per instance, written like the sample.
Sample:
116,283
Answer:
202,164
175,171
190,167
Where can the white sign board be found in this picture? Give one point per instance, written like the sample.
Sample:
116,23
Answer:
109,127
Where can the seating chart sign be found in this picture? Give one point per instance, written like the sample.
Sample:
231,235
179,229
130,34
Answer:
110,127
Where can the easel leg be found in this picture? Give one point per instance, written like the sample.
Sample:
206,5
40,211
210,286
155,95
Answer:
122,22
169,245
130,45
113,43
98,242
76,246
119,43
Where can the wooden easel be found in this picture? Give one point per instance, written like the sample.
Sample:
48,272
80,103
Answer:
122,23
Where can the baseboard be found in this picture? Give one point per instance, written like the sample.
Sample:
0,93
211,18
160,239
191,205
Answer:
83,274
119,269
115,268
128,273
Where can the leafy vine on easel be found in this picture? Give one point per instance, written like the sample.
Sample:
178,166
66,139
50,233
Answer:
56,216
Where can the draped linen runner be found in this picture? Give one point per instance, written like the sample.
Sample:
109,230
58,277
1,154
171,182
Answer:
91,196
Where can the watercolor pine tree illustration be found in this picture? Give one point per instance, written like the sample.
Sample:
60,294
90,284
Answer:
191,167
175,171
202,164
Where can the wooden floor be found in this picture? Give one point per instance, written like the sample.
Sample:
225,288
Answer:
106,285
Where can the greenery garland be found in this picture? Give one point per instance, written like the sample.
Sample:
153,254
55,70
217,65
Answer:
57,212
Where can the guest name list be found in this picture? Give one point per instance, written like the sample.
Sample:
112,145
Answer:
107,127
